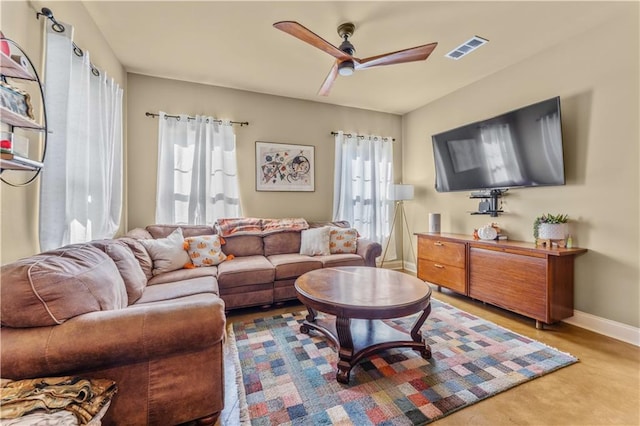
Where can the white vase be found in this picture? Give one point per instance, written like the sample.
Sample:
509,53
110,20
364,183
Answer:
552,231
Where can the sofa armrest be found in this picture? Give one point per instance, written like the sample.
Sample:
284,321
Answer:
369,250
110,338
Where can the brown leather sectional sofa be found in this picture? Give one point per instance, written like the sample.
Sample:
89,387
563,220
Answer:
86,310
95,310
265,267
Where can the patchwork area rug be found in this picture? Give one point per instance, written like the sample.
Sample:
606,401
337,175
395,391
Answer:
289,378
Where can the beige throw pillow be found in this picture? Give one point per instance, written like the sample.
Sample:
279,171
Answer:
168,254
315,242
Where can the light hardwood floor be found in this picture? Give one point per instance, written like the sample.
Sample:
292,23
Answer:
602,389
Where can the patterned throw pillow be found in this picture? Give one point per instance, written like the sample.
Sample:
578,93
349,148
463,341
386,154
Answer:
205,250
342,240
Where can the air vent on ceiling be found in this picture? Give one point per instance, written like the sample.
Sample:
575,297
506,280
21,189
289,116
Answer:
466,47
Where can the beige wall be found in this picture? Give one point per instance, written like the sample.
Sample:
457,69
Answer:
596,75
19,214
271,118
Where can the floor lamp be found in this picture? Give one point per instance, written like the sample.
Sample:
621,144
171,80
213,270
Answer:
401,193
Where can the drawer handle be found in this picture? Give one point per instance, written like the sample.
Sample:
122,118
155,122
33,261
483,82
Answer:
438,243
437,265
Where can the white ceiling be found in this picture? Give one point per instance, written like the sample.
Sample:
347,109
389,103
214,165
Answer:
233,44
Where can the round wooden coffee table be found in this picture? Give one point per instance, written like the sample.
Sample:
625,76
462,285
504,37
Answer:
360,297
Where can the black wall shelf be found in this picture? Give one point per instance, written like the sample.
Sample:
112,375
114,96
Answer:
12,121
489,204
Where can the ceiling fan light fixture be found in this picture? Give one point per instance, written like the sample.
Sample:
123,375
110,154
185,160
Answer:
346,68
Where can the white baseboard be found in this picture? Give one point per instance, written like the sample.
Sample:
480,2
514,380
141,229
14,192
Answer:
607,327
614,329
391,264
410,266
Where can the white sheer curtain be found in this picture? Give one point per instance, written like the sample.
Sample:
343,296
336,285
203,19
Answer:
552,144
81,188
362,184
197,170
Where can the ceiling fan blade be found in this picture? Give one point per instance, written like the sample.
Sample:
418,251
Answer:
298,31
328,81
418,53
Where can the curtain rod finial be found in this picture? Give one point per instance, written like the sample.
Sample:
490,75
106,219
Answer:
47,13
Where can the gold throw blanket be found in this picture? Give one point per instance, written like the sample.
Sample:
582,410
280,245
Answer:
83,397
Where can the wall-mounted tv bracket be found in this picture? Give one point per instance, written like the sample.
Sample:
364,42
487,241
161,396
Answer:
489,201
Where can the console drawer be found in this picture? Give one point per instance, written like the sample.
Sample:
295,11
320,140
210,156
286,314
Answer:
442,251
442,274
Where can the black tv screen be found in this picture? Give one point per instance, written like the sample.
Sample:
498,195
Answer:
521,148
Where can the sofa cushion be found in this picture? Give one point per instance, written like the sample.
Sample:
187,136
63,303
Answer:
205,250
245,270
293,265
184,274
162,231
342,240
315,241
168,253
141,254
281,243
134,278
243,245
177,289
50,288
336,260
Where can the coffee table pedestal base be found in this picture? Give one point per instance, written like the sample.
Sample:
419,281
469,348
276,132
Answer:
356,339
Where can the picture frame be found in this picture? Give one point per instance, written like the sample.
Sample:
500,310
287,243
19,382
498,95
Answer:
285,167
16,100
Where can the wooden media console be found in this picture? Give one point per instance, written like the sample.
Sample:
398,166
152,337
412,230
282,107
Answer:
536,282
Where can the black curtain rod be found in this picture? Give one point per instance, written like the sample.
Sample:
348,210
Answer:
349,135
59,28
177,117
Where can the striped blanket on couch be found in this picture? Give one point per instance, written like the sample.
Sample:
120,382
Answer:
229,227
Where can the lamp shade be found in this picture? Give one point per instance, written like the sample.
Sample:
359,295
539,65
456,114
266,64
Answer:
402,192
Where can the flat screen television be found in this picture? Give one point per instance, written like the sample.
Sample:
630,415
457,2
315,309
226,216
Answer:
521,148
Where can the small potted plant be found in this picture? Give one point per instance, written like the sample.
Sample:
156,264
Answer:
550,227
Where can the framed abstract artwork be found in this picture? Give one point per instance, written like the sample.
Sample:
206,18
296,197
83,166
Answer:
283,167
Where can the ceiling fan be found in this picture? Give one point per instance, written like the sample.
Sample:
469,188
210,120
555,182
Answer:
346,63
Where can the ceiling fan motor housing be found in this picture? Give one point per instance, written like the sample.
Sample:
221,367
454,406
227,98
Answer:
346,30
347,47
